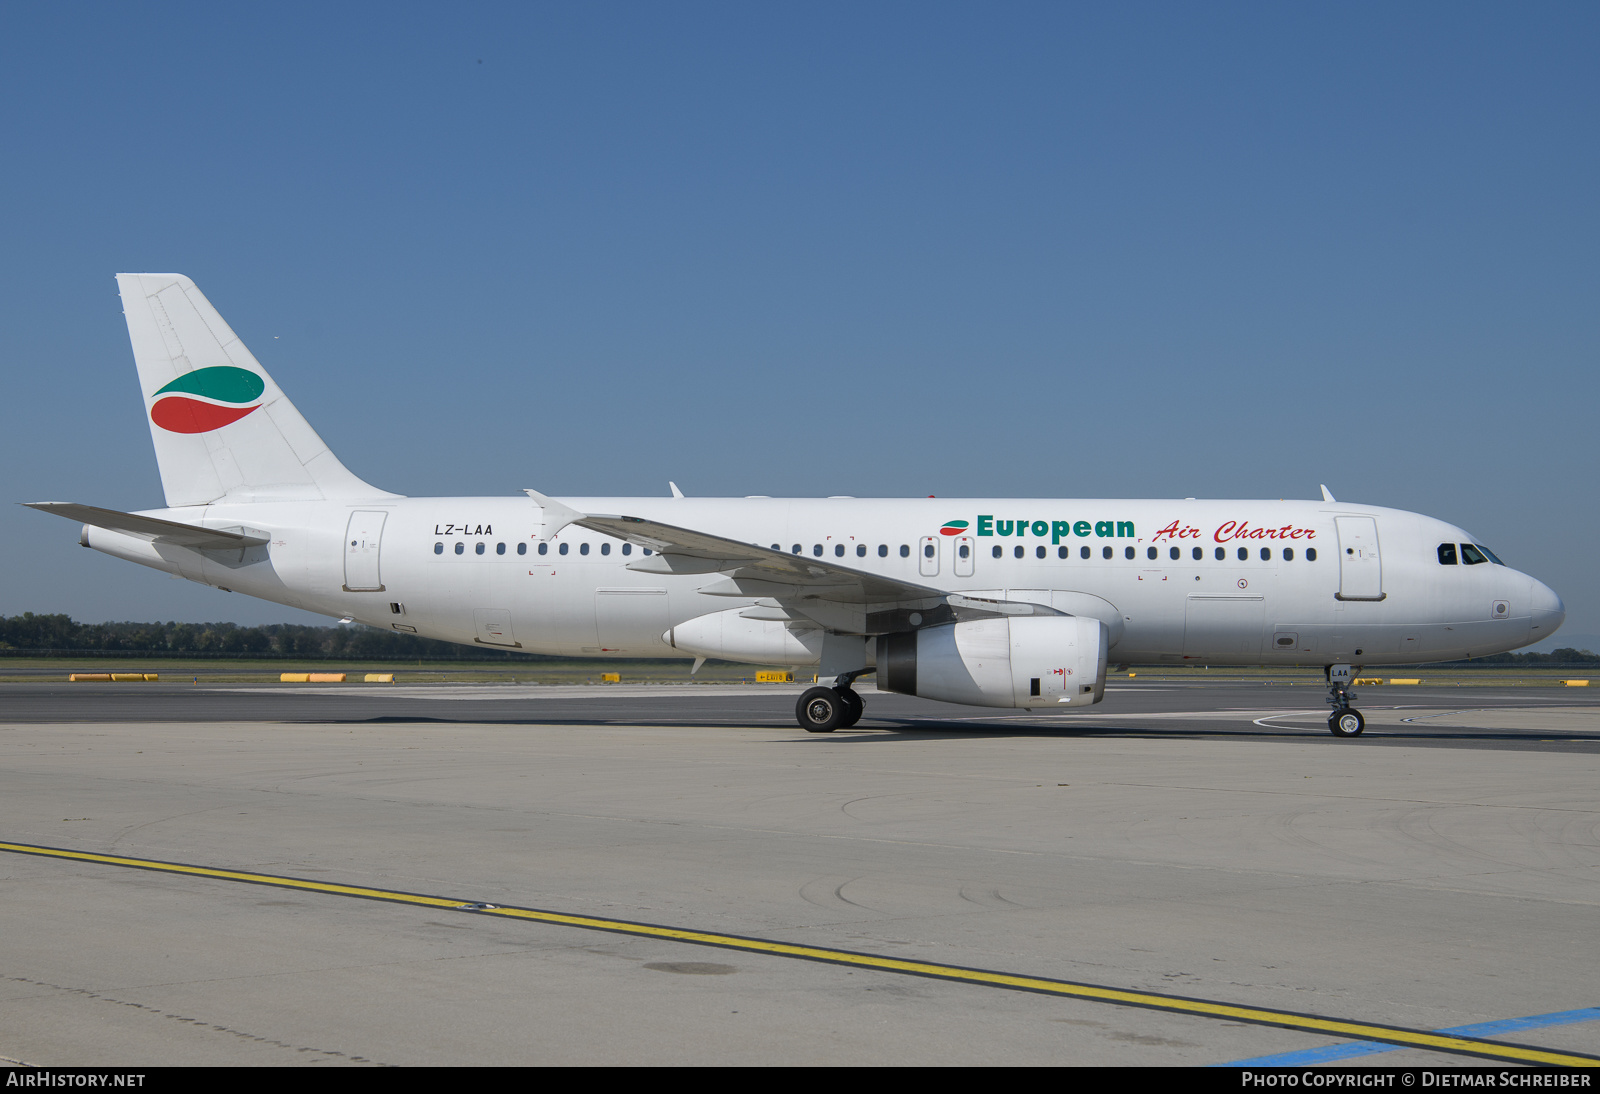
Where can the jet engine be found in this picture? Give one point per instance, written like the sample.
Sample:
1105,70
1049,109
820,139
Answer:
1015,661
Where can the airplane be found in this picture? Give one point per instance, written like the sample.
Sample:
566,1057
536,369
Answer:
992,602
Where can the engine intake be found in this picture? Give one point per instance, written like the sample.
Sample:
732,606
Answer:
1018,661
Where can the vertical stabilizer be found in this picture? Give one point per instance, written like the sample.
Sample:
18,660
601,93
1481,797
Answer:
223,430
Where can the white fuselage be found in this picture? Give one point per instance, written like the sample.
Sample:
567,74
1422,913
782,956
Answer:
478,571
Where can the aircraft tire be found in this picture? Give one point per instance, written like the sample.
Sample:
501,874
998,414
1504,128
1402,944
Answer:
1346,723
820,710
854,708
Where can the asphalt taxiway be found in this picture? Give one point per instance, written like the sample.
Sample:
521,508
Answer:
1550,719
504,874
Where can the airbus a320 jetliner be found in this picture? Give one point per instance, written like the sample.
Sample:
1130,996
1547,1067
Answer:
997,602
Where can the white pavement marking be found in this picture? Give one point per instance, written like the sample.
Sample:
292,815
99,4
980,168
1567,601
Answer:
529,691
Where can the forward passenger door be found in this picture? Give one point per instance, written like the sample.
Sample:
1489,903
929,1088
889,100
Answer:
1360,567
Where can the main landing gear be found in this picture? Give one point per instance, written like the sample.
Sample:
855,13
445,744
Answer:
824,709
1345,721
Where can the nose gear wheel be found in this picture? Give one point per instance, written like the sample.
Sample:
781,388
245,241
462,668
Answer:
1346,723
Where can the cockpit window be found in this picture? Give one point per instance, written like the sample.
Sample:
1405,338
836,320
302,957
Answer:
1494,558
1447,554
1471,556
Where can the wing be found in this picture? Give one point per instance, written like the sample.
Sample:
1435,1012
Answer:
151,528
839,597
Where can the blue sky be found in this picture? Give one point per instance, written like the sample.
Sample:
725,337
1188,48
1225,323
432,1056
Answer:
1130,250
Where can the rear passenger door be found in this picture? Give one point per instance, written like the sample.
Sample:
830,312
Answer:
363,539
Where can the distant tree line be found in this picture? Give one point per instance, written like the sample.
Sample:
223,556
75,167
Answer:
48,635
1564,656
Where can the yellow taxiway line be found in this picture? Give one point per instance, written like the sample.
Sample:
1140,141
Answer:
1332,1027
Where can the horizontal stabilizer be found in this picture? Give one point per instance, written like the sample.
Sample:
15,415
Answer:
151,528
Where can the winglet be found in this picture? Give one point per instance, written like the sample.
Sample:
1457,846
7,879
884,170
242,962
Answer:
675,491
556,515
1326,496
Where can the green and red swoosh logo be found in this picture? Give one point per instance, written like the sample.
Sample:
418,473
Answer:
953,528
207,399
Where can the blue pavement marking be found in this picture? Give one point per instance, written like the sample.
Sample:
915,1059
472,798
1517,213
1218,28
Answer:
1330,1053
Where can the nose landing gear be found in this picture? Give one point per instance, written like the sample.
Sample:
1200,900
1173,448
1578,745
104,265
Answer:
1344,721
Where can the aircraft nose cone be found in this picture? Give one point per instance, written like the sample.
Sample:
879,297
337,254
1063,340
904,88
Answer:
1547,610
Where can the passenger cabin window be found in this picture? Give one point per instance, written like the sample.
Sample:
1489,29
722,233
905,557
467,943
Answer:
499,548
838,550
966,552
564,547
1039,551
999,551
1222,553
795,549
1244,554
522,548
1311,554
816,550
927,551
1199,553
1471,556
861,550
605,548
1266,554
544,548
1083,552
883,550
775,547
438,548
1288,554
627,548
1151,554
1447,554
583,548
905,551
1127,552
1063,552
1017,551
461,548
1175,554
1105,552
478,548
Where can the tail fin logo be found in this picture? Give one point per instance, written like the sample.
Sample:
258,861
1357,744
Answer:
207,399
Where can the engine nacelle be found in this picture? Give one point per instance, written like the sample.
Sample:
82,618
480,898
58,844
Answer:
732,637
1015,661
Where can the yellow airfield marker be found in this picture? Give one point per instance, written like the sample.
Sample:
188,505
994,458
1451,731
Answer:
1310,1023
